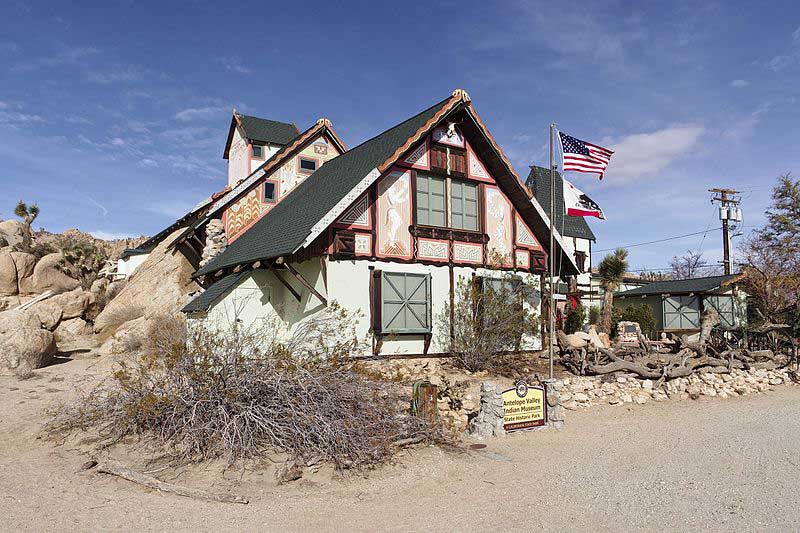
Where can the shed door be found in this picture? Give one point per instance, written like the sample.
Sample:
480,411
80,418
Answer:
724,306
681,312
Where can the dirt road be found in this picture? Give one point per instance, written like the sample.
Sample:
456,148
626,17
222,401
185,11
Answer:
710,465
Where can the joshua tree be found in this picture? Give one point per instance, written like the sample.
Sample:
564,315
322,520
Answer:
612,269
28,214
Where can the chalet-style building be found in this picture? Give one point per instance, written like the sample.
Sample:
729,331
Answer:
386,229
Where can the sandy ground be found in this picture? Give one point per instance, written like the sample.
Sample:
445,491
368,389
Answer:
709,465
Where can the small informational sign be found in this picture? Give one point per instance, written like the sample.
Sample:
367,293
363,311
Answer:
524,407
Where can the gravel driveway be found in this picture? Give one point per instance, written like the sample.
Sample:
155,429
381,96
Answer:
711,464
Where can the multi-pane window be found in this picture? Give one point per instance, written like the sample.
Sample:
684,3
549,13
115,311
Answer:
432,203
405,303
464,205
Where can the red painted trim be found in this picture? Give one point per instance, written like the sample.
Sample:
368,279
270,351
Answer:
537,246
427,165
471,154
437,259
380,227
344,225
457,145
479,261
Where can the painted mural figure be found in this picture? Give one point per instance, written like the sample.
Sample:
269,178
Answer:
395,217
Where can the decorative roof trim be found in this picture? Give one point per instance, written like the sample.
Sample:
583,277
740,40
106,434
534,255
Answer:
455,99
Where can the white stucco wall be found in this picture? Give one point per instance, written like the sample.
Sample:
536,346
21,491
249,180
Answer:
238,158
126,266
260,296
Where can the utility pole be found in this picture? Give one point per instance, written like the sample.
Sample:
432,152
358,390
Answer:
729,211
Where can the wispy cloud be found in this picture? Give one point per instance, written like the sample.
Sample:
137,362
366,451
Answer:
234,64
743,128
175,209
740,83
98,205
70,56
15,119
790,57
9,47
199,113
125,75
642,156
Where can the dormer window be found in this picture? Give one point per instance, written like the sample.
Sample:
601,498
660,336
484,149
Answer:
306,165
258,151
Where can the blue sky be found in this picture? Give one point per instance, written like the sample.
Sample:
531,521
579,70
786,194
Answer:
113,115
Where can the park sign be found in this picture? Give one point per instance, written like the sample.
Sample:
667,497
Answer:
524,407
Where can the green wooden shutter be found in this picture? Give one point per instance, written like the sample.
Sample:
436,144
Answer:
406,303
724,306
681,312
430,201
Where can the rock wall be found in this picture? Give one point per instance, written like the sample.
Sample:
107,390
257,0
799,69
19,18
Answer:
582,392
216,241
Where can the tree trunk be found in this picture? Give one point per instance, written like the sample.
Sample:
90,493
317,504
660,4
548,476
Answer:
608,304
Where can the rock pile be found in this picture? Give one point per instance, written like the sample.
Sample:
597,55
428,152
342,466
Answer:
582,392
216,242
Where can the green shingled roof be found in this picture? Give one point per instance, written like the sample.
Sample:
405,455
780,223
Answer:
281,231
539,182
208,297
268,131
679,286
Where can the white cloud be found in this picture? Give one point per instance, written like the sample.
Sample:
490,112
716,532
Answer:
199,113
148,163
744,127
15,119
116,141
234,64
643,156
111,235
791,57
117,76
740,83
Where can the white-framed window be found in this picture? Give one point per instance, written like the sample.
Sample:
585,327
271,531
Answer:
307,165
433,209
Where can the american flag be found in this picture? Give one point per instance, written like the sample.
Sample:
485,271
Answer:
581,156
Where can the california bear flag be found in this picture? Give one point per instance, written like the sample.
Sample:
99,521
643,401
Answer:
577,204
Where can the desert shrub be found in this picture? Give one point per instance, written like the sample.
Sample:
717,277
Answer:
576,318
239,392
81,260
594,315
641,313
38,248
489,320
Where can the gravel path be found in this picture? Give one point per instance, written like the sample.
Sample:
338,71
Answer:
712,464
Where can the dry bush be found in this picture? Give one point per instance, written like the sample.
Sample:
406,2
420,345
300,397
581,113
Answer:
237,393
489,321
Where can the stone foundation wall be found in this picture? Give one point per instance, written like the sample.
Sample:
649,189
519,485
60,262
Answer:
582,392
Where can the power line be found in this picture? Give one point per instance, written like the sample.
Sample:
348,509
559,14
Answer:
659,240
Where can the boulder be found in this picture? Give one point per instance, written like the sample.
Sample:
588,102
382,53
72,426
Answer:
24,345
574,341
71,328
9,302
73,303
47,277
8,275
160,286
27,350
128,337
25,264
49,314
13,231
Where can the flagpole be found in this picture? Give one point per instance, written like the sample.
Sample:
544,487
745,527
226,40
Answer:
552,310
